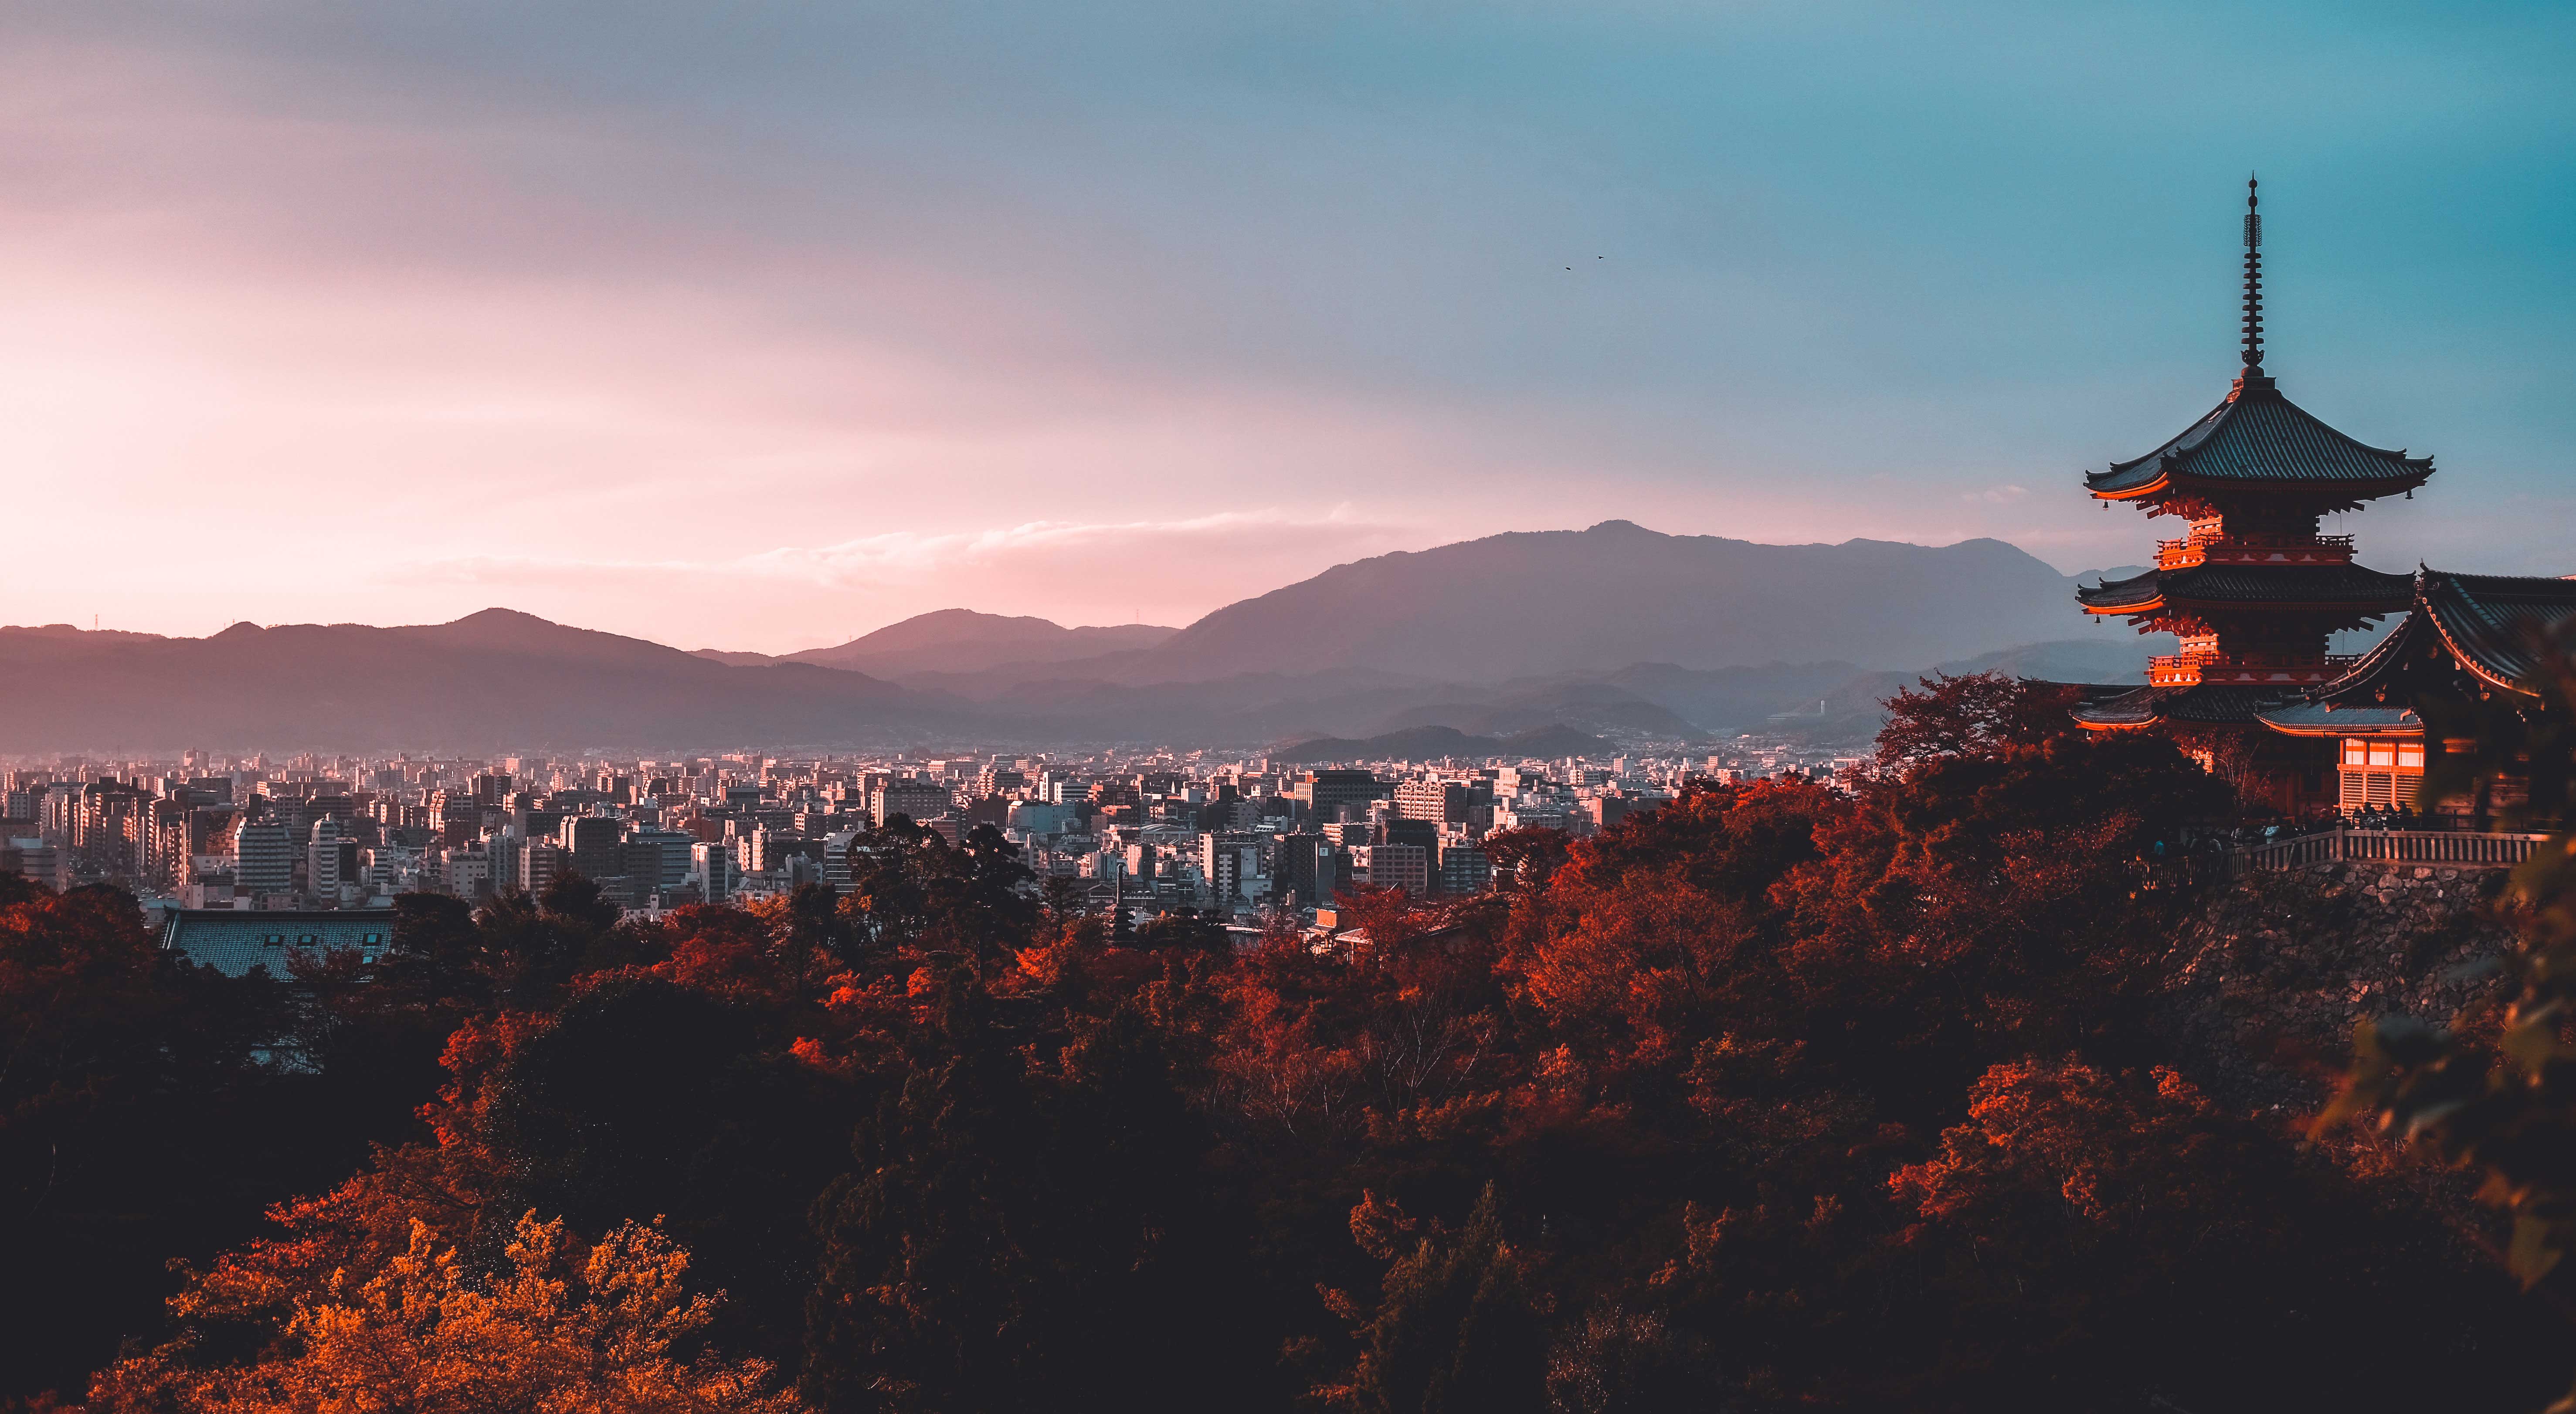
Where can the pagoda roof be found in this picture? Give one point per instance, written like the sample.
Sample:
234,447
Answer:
2492,625
2326,719
2259,440
2199,704
2344,586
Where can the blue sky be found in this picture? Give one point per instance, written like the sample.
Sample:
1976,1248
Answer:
761,325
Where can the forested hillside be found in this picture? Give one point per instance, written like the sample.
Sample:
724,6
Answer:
1774,1098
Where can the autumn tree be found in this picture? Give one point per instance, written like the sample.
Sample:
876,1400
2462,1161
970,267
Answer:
561,1325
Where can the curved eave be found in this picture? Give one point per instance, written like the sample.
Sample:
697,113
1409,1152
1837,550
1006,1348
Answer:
2166,484
2471,661
2090,725
2366,669
2162,605
2132,710
2279,448
2315,719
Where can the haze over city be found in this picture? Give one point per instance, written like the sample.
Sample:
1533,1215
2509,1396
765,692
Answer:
759,329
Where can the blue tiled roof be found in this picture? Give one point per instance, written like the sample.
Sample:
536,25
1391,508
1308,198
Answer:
2494,625
2496,622
2322,719
2260,437
233,941
2208,704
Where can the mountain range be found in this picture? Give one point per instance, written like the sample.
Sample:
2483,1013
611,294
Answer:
1616,630
962,641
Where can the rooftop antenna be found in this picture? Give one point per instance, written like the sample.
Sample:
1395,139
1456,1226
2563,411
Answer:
2253,283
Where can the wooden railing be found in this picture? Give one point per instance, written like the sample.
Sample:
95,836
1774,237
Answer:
2206,665
2460,849
2251,546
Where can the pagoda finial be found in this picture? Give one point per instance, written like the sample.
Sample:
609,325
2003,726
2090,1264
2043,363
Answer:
2253,283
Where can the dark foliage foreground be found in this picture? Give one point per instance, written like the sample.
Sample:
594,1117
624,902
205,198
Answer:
1772,1098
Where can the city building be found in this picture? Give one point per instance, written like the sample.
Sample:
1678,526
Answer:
1392,866
263,858
1324,793
1438,802
234,941
918,801
712,869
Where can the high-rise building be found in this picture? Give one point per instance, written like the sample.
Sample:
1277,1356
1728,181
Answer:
711,868
263,857
916,800
838,867
592,846
1323,793
1309,868
32,858
1464,869
1231,864
465,872
657,858
322,860
1439,802
539,863
1392,866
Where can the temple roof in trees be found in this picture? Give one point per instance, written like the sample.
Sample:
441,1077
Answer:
2492,625
2346,587
2325,719
2258,440
2201,704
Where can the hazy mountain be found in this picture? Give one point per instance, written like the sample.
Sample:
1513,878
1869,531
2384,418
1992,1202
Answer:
1430,743
1614,631
963,641
490,680
1597,600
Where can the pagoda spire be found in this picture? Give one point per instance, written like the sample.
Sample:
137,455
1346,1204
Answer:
2253,284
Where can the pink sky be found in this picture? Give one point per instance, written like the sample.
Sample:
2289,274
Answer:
367,329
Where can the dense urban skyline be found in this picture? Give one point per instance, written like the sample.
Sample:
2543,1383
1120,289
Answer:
759,331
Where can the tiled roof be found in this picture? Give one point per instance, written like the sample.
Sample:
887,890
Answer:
233,940
2492,621
2319,719
2487,623
2259,437
2251,584
2207,704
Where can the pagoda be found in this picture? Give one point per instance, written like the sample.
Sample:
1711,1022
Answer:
2253,591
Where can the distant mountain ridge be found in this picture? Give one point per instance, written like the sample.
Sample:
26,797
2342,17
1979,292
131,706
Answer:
1596,600
962,640
1615,632
483,681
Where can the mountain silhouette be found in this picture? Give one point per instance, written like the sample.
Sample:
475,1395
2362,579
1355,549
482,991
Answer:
490,680
1598,600
963,641
1615,630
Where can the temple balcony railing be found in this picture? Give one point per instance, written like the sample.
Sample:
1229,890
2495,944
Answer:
2252,548
2184,669
2455,849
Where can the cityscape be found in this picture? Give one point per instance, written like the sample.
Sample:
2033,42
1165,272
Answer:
1239,842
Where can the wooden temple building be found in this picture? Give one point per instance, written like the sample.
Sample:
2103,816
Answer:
2255,591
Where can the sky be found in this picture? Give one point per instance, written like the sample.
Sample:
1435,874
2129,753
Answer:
762,325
